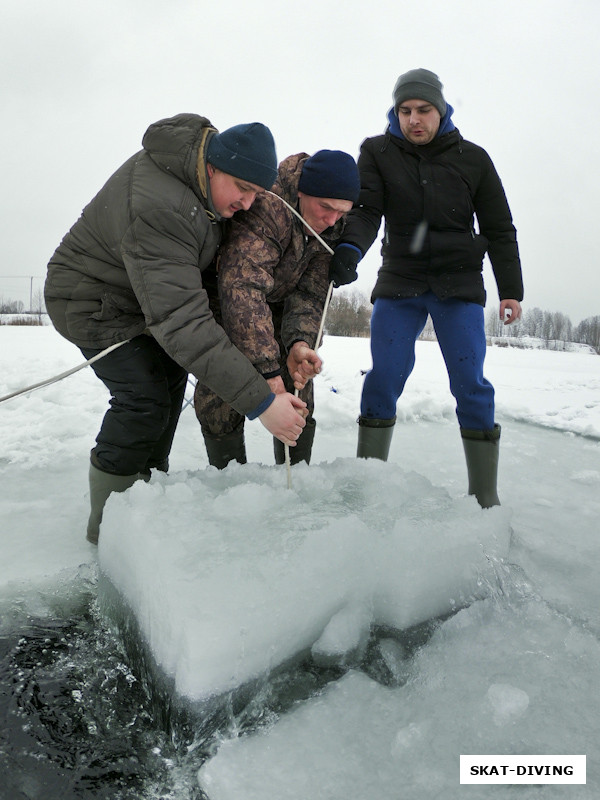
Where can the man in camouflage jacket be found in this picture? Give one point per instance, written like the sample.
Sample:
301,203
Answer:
272,277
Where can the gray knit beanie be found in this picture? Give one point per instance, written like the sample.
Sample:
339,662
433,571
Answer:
419,84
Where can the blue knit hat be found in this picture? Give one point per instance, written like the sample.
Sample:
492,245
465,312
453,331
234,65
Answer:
330,173
246,152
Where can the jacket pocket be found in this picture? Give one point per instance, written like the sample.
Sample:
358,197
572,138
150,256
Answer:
115,304
452,251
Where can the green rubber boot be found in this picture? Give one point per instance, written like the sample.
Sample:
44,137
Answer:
226,447
103,484
303,449
482,449
375,437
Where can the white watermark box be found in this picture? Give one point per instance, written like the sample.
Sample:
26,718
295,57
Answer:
522,769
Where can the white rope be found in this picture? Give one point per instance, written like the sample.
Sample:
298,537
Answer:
62,375
319,334
300,217
66,374
322,325
325,307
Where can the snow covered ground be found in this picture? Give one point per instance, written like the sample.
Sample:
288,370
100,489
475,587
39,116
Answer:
232,572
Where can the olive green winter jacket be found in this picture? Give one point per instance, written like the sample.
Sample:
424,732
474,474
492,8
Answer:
132,263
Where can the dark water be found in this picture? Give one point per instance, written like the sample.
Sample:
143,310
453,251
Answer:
80,718
75,721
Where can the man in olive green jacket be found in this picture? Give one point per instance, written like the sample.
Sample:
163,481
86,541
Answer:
129,270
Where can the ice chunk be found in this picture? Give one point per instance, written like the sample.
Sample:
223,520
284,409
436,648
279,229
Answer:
230,574
508,702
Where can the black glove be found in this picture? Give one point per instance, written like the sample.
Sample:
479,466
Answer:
342,267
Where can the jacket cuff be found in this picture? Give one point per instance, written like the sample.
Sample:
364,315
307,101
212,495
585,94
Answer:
303,339
268,368
260,409
352,246
273,374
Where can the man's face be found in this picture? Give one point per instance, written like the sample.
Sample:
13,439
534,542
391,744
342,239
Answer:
322,212
419,121
230,194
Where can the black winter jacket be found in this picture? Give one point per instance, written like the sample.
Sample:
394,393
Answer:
429,196
132,263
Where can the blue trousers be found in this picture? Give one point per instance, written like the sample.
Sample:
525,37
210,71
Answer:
460,330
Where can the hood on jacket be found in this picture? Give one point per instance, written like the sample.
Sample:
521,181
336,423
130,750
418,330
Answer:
288,177
174,143
446,124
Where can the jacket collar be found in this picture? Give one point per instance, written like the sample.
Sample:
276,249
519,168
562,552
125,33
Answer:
202,174
446,124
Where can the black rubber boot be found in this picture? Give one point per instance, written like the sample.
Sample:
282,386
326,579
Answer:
374,437
103,484
303,449
482,449
223,448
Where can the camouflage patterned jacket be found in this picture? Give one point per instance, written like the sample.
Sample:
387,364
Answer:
267,264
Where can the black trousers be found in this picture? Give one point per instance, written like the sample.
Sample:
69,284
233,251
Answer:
147,389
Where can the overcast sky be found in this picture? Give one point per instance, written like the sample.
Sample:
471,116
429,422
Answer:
81,80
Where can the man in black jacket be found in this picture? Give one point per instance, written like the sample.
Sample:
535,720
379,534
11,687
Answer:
429,184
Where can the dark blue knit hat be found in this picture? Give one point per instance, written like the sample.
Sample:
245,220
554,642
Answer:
246,152
330,173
